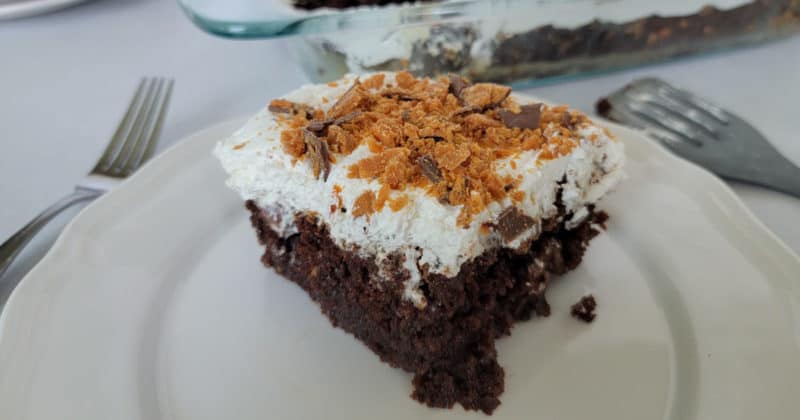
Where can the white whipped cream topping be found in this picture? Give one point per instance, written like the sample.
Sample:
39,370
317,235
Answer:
425,231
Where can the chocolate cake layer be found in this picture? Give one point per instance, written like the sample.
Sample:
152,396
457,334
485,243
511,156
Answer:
450,344
549,43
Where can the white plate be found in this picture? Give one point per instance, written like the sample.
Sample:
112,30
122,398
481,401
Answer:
154,305
12,9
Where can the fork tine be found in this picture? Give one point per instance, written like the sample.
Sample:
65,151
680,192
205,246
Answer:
680,110
122,128
156,130
128,147
675,143
621,111
665,137
655,117
148,138
135,139
694,101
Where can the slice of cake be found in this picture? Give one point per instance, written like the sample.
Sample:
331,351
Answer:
424,216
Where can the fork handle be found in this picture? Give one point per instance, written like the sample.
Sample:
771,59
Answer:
12,247
779,174
790,183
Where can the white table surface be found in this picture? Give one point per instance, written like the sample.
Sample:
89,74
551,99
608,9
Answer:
66,77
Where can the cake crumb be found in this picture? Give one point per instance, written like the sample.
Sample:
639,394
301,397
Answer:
584,309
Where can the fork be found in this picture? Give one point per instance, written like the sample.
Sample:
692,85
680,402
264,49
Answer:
703,133
131,145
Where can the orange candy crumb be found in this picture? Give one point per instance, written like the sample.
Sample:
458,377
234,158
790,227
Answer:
450,156
363,204
408,119
293,143
397,204
374,81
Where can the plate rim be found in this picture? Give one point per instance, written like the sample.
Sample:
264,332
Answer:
24,297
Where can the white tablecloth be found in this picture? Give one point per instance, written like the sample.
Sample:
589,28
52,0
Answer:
65,79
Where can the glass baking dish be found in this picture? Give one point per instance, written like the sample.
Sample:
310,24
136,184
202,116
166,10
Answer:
510,41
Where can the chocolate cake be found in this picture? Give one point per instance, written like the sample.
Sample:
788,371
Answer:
655,36
424,216
584,309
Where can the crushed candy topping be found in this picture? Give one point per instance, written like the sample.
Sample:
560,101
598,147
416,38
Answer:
443,135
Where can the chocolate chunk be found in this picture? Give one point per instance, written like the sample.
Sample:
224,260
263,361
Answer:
457,85
304,109
485,95
584,309
317,126
282,106
350,101
436,139
566,120
346,118
401,94
603,107
406,115
512,222
528,117
317,151
429,168
465,110
278,108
